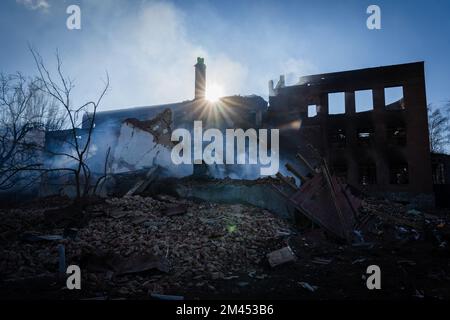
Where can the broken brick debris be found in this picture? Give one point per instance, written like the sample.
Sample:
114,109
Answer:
175,211
142,184
280,256
159,126
135,249
142,245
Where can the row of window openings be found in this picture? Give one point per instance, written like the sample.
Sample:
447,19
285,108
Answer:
367,173
393,100
395,136
439,173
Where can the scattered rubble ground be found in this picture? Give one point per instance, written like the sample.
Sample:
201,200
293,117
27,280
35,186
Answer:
133,247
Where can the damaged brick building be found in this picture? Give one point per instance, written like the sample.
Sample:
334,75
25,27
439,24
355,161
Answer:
227,112
370,125
152,237
379,145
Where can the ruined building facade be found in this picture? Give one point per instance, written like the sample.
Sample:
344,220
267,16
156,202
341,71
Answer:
132,141
378,145
370,126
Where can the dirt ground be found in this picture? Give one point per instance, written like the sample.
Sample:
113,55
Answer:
131,248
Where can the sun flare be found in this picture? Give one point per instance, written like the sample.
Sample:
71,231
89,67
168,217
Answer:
214,92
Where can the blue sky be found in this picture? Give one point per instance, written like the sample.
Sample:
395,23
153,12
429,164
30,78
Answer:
149,47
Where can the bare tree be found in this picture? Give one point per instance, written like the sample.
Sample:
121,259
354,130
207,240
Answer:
59,87
439,128
23,117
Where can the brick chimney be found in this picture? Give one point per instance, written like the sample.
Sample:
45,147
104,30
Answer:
200,79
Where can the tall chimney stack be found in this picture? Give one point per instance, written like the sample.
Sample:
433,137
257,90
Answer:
200,79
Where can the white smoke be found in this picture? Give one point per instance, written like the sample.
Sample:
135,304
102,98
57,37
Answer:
149,49
149,57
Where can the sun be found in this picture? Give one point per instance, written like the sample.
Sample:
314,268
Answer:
214,92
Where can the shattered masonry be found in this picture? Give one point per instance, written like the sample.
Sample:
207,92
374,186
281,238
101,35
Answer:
384,150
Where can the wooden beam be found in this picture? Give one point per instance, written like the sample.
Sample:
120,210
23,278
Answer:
286,181
302,159
294,171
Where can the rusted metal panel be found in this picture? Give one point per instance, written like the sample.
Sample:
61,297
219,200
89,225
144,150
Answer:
335,213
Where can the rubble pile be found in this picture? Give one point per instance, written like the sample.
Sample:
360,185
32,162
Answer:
168,243
386,221
161,246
